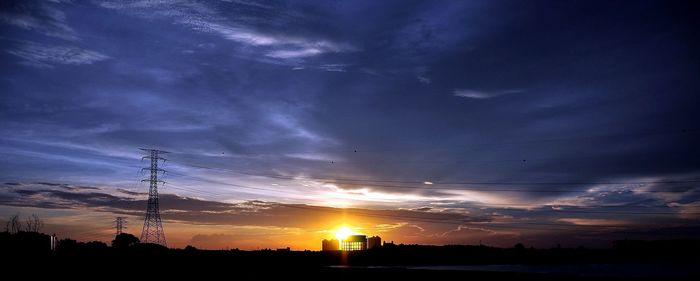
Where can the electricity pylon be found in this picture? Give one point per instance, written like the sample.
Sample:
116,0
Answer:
120,224
152,226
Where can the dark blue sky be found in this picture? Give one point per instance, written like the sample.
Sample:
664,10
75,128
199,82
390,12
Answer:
529,105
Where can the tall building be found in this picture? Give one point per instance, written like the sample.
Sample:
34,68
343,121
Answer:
330,245
374,242
354,243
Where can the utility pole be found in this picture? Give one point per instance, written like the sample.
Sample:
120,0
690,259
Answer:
152,226
120,224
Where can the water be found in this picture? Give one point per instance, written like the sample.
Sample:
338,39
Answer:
589,270
602,270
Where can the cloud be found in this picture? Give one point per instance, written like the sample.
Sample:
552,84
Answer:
288,54
650,195
588,221
250,3
688,210
333,67
266,220
475,94
422,74
204,18
200,211
46,56
314,157
39,16
51,184
423,79
284,46
467,228
132,193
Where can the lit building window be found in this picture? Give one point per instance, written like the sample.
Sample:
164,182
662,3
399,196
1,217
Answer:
354,243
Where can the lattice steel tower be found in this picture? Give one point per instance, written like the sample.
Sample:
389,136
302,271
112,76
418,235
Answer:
120,224
152,226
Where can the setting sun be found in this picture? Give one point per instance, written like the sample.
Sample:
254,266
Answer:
343,233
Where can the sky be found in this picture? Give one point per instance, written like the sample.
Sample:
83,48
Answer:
428,122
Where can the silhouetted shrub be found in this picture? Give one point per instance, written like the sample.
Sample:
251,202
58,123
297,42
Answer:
124,240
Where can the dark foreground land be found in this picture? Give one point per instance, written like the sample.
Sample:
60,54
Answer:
626,260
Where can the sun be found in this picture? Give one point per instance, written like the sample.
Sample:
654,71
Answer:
343,233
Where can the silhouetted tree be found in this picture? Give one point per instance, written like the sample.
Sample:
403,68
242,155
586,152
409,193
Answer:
33,223
519,246
124,240
13,224
67,244
95,246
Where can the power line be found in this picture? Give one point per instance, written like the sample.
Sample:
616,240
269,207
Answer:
541,140
552,210
447,182
556,208
516,225
436,185
224,183
499,189
474,146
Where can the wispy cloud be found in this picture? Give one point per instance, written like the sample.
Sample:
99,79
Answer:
203,18
333,67
314,157
476,94
288,54
587,221
330,67
249,3
422,74
423,79
188,209
42,17
467,228
689,210
46,56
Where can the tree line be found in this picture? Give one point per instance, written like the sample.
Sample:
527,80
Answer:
31,224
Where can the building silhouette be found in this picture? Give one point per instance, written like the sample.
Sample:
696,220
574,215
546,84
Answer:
374,242
351,243
354,243
330,245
